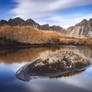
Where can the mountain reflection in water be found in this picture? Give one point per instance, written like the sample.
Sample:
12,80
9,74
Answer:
9,56
11,60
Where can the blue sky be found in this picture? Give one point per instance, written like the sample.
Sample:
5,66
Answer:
59,12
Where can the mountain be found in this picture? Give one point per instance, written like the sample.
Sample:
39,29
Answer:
29,22
3,22
90,22
52,28
82,29
15,22
58,28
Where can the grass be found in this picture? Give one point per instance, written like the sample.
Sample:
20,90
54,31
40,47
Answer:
29,35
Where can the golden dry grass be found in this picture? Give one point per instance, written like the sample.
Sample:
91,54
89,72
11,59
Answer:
27,34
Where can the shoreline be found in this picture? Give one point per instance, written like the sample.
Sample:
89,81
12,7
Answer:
24,45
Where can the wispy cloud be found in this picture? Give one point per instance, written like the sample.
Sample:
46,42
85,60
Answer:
65,22
42,9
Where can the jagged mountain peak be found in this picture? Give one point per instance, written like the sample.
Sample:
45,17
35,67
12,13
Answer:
3,22
17,18
90,19
90,22
30,22
83,22
15,21
82,29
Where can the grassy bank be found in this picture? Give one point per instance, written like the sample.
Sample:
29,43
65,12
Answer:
26,35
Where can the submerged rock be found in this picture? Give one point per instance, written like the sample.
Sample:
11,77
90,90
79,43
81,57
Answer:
53,64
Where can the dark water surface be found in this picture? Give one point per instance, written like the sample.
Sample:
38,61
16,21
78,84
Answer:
12,59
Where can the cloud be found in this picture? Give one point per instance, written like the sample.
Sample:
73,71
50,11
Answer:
65,22
43,9
81,81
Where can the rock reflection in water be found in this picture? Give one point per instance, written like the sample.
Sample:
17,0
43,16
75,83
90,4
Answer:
67,74
53,63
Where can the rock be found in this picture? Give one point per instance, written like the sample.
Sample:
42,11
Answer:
3,22
45,27
82,29
29,22
52,28
58,29
53,64
15,22
90,22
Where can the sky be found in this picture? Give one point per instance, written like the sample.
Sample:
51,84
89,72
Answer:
63,13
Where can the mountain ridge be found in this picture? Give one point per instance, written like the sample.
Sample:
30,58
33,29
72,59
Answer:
82,29
29,22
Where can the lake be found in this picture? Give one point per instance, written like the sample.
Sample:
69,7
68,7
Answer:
11,60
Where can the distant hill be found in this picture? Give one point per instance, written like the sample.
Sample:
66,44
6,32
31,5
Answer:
29,22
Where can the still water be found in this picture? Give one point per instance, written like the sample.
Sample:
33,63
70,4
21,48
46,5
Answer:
11,60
